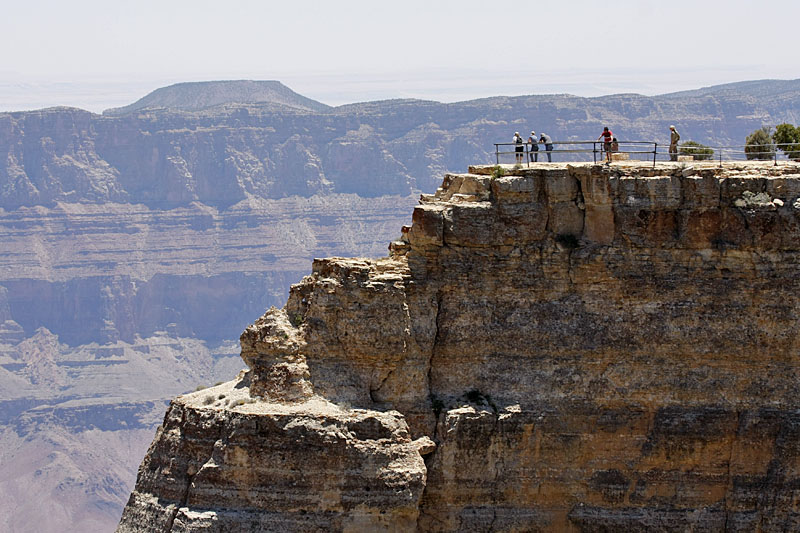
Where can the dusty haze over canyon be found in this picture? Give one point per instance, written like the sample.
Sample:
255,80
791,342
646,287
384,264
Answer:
138,245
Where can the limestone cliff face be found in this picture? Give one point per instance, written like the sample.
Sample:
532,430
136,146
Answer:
590,349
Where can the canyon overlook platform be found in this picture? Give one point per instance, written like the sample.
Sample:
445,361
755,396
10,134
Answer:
569,347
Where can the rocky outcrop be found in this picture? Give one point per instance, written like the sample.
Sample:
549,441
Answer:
220,462
590,348
137,246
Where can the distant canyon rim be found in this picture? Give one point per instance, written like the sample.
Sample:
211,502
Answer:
137,245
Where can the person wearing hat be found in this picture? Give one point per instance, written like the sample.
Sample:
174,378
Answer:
533,155
519,148
548,145
674,137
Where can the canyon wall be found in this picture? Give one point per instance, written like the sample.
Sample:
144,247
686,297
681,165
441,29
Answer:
569,348
139,243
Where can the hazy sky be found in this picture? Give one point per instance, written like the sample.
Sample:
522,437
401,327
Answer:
98,54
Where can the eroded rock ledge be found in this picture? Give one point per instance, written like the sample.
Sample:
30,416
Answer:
573,348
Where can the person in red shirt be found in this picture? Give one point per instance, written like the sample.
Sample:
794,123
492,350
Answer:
607,136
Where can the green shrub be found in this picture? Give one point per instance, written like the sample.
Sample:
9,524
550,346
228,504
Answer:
697,150
498,172
787,139
758,145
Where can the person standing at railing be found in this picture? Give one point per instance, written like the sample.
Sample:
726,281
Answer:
607,136
533,153
519,149
674,137
548,145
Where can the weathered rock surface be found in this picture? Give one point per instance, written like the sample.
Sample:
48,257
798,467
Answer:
138,243
590,348
220,463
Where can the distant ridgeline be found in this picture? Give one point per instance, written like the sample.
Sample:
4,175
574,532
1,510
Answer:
138,244
219,143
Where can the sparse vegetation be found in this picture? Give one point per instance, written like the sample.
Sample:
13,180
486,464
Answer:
498,172
241,401
699,151
208,400
787,139
758,145
200,387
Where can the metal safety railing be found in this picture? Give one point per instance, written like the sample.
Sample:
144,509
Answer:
568,150
573,151
756,152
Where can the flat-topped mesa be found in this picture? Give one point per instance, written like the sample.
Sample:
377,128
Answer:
590,347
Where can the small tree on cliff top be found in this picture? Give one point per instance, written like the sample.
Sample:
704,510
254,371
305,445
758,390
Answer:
787,138
758,145
697,150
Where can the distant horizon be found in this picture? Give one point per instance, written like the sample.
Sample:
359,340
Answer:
97,55
99,95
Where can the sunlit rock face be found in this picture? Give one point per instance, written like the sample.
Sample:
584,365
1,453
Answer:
138,244
569,347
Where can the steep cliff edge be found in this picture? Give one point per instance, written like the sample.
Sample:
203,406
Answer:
590,349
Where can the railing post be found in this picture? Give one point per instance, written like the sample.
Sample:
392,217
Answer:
496,154
655,151
720,156
594,151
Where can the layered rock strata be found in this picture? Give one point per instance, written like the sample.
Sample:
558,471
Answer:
590,348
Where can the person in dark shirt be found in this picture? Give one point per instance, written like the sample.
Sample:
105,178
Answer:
519,149
548,145
533,155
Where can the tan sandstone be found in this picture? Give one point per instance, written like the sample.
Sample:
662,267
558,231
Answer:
572,348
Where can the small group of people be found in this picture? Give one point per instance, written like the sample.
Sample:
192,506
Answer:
610,145
533,146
